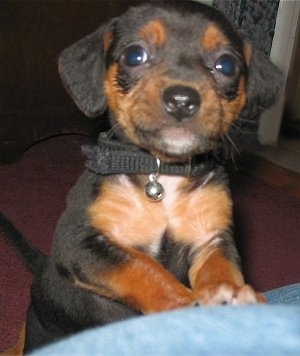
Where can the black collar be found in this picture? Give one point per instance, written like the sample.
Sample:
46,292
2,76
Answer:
115,157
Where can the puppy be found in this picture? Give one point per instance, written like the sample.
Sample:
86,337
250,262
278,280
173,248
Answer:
148,226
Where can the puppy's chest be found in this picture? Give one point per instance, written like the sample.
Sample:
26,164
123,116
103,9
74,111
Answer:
122,213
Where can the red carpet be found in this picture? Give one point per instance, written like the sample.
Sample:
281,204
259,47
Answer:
33,193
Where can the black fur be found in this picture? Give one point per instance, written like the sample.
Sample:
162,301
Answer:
31,256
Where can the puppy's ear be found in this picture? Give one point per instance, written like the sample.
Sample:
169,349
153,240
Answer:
263,86
264,83
82,70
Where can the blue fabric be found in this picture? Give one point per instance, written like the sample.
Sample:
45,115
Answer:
285,295
272,329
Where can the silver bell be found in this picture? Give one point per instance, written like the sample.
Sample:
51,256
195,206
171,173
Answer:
154,191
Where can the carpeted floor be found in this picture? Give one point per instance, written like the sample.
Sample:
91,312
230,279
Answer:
33,193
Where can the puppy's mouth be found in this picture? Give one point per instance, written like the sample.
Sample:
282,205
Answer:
173,144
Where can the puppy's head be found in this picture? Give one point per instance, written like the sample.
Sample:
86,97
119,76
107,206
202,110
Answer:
175,79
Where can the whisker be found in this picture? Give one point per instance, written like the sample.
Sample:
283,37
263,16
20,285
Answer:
112,130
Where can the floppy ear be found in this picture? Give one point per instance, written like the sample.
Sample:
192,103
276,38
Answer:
82,70
264,83
263,86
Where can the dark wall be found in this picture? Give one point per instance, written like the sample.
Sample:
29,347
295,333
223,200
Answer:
33,102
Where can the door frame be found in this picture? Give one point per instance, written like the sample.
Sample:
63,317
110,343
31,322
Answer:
287,30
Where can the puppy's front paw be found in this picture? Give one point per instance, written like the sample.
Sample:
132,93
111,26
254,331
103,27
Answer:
225,293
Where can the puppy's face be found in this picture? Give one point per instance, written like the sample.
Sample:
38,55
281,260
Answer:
174,81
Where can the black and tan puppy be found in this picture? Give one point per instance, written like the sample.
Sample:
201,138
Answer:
148,225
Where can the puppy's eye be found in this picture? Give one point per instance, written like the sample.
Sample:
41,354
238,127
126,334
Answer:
226,65
134,56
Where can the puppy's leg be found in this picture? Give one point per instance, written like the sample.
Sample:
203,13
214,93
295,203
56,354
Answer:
216,278
214,272
129,276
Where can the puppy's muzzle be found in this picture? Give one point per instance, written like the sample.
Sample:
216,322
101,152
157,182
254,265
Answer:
181,102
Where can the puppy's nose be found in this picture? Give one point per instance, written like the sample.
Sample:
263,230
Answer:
181,102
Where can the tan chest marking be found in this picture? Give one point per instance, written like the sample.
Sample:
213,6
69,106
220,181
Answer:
200,214
123,214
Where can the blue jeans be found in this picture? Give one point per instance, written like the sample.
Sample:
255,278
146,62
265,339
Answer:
272,329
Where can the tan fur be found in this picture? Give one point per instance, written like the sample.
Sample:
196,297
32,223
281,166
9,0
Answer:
141,282
156,289
154,32
248,53
18,348
213,38
201,214
123,214
211,268
133,109
107,40
232,108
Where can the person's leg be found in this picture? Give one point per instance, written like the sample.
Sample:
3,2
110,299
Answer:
288,295
243,330
225,330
